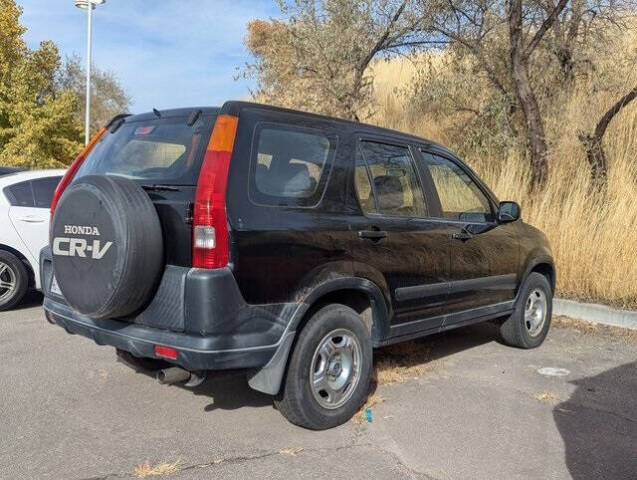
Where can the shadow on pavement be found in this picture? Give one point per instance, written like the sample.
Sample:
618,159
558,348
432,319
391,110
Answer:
229,391
33,298
598,425
441,345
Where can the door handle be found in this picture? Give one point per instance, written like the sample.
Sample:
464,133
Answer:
462,236
373,234
30,219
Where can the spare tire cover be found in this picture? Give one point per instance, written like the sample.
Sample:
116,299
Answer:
107,246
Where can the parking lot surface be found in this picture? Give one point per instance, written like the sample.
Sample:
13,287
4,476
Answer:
479,410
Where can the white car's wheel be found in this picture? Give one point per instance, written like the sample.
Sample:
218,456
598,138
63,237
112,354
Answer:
14,280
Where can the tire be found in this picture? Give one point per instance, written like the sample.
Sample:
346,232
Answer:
14,280
107,246
298,401
527,327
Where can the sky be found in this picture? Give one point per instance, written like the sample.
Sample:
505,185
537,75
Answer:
165,53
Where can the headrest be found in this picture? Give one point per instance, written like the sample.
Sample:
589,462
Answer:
297,179
389,191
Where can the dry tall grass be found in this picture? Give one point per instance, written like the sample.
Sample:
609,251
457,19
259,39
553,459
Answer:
594,238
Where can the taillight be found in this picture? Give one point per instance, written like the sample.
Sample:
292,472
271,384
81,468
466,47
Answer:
210,248
70,173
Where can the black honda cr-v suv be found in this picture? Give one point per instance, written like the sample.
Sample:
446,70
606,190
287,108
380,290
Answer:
286,244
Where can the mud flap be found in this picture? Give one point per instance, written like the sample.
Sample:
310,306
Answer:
268,379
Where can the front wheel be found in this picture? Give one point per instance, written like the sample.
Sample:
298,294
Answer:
529,324
329,372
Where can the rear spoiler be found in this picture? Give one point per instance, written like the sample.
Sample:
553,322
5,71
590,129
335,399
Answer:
115,119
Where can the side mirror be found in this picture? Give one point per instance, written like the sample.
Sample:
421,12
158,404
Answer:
508,212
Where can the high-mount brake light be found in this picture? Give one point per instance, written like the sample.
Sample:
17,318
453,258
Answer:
210,248
70,173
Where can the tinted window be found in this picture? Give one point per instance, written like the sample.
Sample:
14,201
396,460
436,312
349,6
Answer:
20,194
43,189
290,165
164,151
363,186
460,198
393,178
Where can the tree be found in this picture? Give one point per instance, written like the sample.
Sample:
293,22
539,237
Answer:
515,42
520,52
108,97
479,26
593,142
37,123
318,57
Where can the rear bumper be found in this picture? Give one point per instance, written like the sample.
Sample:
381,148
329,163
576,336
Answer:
194,352
199,313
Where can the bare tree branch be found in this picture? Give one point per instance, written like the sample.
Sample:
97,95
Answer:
546,25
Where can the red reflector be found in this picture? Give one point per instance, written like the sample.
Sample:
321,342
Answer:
165,352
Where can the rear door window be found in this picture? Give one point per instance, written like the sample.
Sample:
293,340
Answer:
20,194
290,165
43,189
392,179
163,151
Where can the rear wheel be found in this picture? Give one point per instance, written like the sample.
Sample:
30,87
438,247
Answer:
329,372
14,280
529,324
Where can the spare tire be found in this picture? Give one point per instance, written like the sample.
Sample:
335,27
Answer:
107,246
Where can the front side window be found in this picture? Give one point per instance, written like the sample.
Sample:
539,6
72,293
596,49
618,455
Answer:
391,177
290,166
460,197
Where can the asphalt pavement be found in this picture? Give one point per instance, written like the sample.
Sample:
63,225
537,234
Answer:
480,410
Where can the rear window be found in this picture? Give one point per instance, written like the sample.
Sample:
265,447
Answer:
164,151
20,194
43,189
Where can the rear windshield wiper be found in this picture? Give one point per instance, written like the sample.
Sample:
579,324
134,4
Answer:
159,188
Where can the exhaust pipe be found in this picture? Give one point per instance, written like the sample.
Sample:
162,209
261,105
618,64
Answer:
173,375
178,375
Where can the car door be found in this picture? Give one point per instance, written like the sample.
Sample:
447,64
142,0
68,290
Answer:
30,211
484,254
396,238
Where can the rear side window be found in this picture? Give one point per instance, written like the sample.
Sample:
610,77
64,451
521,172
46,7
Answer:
164,151
290,165
20,194
388,173
43,190
460,197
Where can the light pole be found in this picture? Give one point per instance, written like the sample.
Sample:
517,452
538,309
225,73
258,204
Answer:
88,5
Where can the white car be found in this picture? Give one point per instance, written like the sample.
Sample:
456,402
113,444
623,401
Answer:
25,202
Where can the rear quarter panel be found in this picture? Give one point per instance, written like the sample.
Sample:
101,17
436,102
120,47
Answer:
281,253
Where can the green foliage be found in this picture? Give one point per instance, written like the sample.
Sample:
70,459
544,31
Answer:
38,128
42,101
